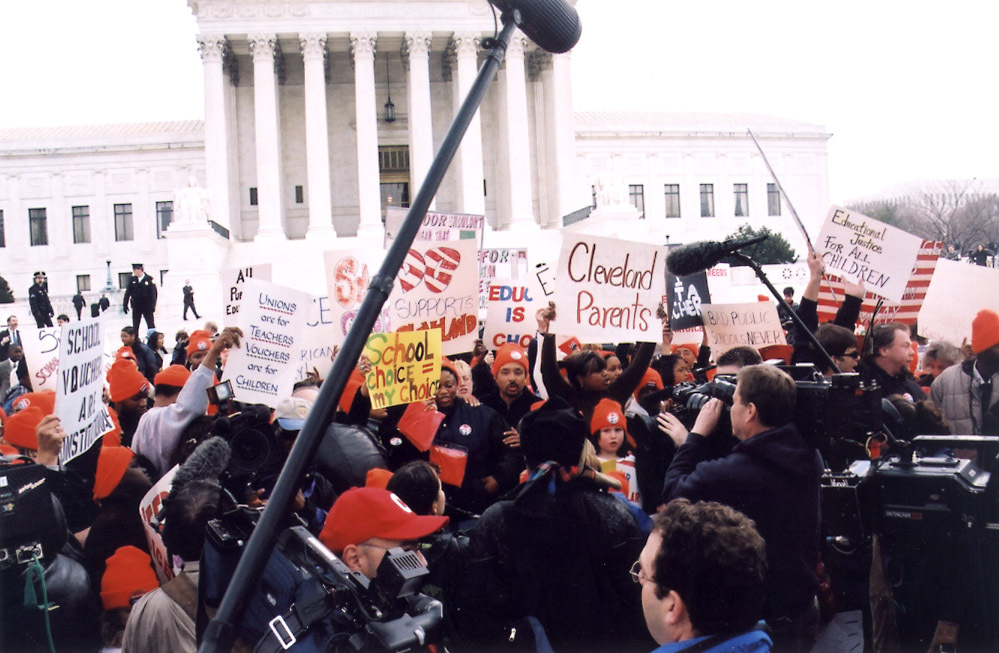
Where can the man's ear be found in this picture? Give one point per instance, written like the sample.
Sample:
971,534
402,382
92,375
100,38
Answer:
351,557
674,609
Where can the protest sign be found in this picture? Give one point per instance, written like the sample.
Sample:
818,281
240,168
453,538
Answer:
149,507
348,273
41,355
608,289
510,314
232,288
317,346
436,226
405,367
730,325
685,296
955,295
79,391
501,264
272,319
863,249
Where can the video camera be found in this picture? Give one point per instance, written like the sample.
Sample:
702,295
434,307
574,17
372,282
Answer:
307,599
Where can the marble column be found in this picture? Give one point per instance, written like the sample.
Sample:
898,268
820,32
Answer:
369,198
218,168
317,145
516,137
267,133
416,54
471,198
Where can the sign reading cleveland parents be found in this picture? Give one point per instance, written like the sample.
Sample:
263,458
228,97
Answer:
79,404
608,290
272,318
862,249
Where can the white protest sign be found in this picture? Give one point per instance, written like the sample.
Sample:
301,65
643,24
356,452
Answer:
436,226
317,342
608,290
731,325
510,313
861,248
502,263
348,273
149,508
272,318
79,403
956,293
232,288
41,355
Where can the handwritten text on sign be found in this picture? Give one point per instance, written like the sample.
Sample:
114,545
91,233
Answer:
731,325
41,354
232,288
405,367
79,403
272,318
863,249
608,289
510,316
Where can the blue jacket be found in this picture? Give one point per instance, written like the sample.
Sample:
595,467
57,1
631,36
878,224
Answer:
773,478
749,642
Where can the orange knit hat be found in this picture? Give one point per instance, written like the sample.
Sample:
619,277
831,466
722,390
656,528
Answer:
20,430
984,330
200,340
111,466
127,574
509,353
125,380
607,414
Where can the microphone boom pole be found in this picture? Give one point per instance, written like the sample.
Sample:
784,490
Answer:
221,631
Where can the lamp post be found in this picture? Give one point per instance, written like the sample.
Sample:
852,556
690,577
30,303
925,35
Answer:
108,288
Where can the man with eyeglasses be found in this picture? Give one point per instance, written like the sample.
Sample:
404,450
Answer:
841,345
703,578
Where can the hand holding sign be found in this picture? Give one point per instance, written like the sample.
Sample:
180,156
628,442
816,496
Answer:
50,438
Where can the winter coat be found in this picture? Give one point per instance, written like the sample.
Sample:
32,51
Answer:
957,393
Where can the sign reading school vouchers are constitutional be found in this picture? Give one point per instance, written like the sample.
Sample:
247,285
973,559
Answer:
608,289
731,325
273,320
510,313
957,292
405,367
232,288
863,249
80,386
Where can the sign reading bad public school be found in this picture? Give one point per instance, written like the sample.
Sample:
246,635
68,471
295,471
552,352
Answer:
755,324
80,386
863,249
405,367
273,320
608,289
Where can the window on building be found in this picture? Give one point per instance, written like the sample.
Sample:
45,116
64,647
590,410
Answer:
123,278
81,224
393,172
164,216
707,200
83,283
672,200
299,195
3,239
773,200
253,196
741,200
39,227
636,195
123,222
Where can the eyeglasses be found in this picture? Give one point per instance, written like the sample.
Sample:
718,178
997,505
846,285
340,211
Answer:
852,354
637,574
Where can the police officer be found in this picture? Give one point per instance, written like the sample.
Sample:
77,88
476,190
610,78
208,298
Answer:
38,301
142,292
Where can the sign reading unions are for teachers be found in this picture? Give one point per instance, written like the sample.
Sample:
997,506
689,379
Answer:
608,289
860,248
273,319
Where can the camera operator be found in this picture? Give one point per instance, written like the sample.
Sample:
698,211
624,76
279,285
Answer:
773,477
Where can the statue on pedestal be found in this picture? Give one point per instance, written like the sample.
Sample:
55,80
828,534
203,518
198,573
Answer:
191,203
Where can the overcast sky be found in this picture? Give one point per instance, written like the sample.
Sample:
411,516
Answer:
908,89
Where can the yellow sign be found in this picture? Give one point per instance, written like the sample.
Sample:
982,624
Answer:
405,366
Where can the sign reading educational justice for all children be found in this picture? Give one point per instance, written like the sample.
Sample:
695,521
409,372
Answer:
80,386
510,313
273,320
232,288
730,325
405,367
608,290
863,249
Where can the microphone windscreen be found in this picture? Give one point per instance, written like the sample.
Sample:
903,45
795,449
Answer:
206,463
692,258
552,24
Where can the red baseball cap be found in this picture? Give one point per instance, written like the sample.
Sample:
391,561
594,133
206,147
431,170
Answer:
362,513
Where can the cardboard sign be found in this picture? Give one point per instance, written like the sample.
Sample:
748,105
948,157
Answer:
510,314
149,507
348,273
232,288
608,289
436,226
273,319
955,295
861,248
731,325
405,367
41,355
685,296
79,391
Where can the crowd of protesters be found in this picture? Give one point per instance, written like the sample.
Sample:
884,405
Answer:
544,477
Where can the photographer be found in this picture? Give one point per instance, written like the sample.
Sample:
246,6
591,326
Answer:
771,476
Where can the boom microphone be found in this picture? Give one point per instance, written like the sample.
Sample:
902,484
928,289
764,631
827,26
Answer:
552,24
206,463
705,254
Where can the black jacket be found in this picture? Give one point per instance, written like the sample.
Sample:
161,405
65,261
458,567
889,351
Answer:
38,301
511,413
142,292
772,477
898,384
